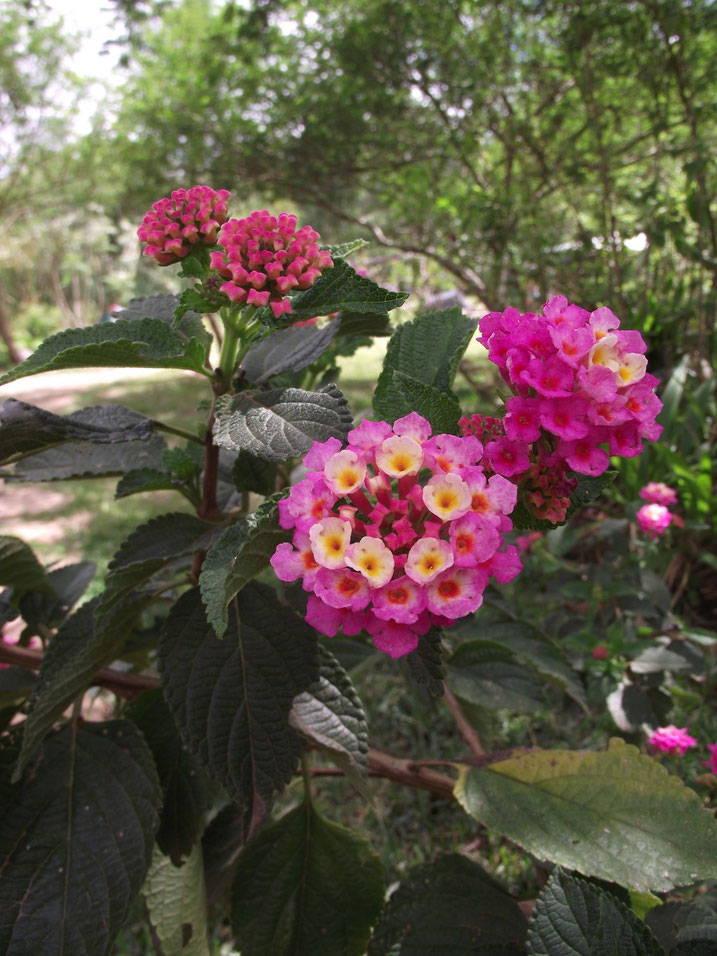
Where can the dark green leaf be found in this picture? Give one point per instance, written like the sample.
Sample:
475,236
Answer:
242,551
162,306
76,840
289,350
186,793
362,324
20,569
27,429
576,918
148,549
306,885
70,583
678,925
282,423
231,698
75,653
89,460
449,906
617,815
177,904
429,349
425,664
331,716
222,842
253,474
195,300
342,288
146,479
441,409
491,676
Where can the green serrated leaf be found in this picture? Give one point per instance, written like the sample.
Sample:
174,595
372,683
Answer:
242,551
177,904
331,716
441,409
682,928
617,815
70,583
282,423
362,325
289,350
27,429
76,839
306,885
75,653
583,919
428,348
20,569
449,906
88,460
425,664
231,698
148,549
533,648
491,676
341,288
139,480
138,343
186,793
344,249
193,300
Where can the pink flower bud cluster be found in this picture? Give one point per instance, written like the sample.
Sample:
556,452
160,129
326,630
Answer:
190,216
395,532
579,383
658,493
265,258
672,740
655,517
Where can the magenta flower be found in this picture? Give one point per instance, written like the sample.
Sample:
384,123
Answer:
654,519
265,258
658,493
189,217
396,532
672,740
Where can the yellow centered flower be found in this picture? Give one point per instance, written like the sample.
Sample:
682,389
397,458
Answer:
427,558
605,353
632,368
344,472
399,456
372,559
329,540
447,496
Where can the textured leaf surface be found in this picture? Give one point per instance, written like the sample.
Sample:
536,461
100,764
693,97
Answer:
242,551
428,348
140,480
77,650
617,815
250,473
27,429
449,906
533,648
282,423
148,549
680,927
491,676
186,792
80,459
231,698
441,409
425,663
362,324
331,715
70,583
177,905
135,343
20,569
162,306
342,288
289,350
575,918
76,840
306,885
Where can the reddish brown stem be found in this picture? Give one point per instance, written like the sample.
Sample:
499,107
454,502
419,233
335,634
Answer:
470,735
209,507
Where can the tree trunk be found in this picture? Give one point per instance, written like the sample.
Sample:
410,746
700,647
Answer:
6,335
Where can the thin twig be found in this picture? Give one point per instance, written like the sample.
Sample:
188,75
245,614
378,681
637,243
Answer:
470,735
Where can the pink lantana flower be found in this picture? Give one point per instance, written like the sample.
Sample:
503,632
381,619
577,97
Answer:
658,493
712,762
265,258
396,532
654,519
672,740
187,218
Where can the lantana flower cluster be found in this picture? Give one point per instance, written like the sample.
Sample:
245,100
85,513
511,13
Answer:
580,383
395,532
655,517
265,258
187,218
672,740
